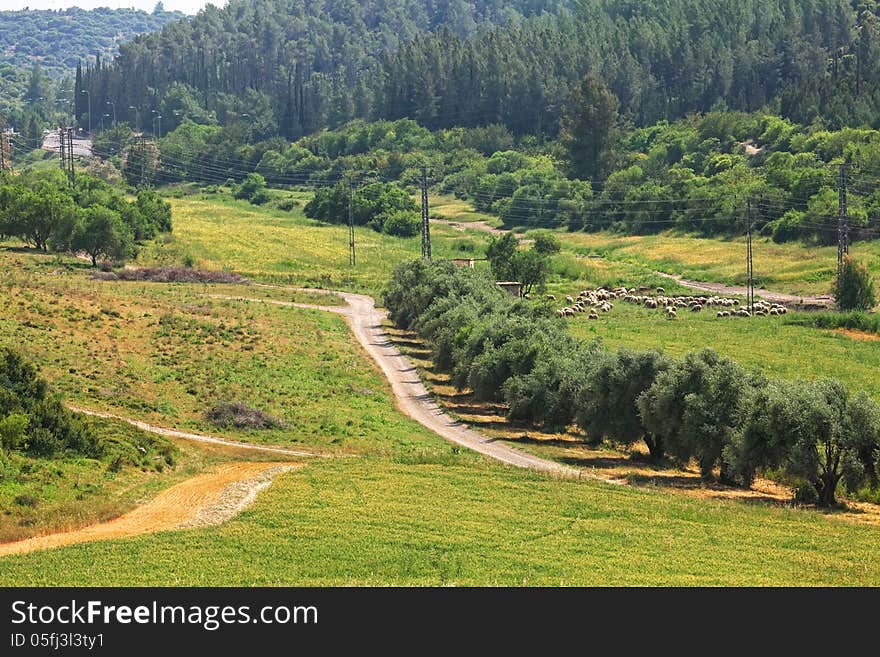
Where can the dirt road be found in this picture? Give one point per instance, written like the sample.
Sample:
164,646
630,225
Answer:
774,297
197,437
207,499
481,226
412,396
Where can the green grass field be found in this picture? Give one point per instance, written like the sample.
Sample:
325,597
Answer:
270,245
166,353
376,523
771,344
792,268
408,508
450,208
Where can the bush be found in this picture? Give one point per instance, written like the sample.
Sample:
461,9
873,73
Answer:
260,197
402,223
546,244
31,420
288,204
249,187
854,290
240,415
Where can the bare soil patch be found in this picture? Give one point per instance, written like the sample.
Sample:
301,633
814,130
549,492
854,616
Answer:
209,498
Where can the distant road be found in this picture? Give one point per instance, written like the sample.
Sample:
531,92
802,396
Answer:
774,297
82,147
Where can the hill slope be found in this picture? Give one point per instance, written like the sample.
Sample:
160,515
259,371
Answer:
59,39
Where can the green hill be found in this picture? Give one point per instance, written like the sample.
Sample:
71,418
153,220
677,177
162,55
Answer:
59,39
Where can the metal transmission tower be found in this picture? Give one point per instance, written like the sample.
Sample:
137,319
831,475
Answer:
65,140
4,147
842,225
426,224
352,260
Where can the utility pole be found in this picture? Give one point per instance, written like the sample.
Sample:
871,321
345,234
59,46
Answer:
85,91
842,225
351,255
62,140
71,173
426,225
750,269
3,148
142,152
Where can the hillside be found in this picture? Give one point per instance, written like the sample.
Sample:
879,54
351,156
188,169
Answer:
295,67
60,39
290,65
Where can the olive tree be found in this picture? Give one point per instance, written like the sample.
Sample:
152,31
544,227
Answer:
694,406
547,396
607,401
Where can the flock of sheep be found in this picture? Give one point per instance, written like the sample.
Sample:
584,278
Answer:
600,300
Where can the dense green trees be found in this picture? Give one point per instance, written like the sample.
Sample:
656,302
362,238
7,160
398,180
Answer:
510,263
59,39
587,130
384,207
815,436
42,209
296,67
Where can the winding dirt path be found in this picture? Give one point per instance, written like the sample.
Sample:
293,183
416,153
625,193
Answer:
412,397
480,226
775,297
206,499
198,437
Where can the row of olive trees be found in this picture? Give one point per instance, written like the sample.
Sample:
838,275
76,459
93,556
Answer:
701,407
43,210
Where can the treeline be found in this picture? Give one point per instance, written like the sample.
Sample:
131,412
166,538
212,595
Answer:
384,207
699,174
819,436
290,68
42,209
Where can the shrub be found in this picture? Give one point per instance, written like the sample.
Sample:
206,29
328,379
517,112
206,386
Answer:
240,415
250,186
260,197
288,204
854,289
31,420
403,223
546,244
25,500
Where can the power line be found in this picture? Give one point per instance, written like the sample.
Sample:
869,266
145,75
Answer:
351,254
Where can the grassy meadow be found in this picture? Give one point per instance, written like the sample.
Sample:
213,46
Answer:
271,245
774,345
791,267
369,522
407,508
167,353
